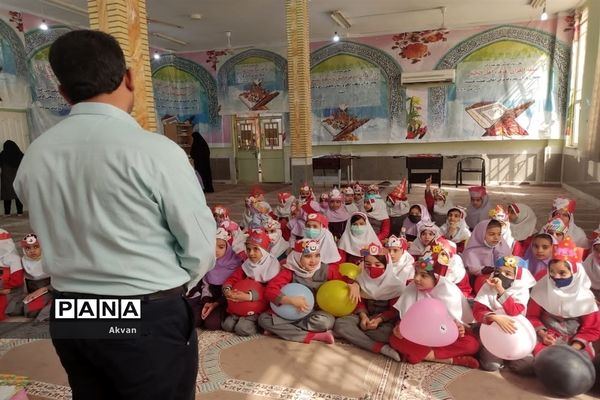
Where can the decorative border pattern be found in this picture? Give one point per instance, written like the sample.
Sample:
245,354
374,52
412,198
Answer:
198,72
16,45
229,65
391,69
37,39
558,51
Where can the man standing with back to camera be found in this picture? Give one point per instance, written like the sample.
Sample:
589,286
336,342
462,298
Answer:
120,214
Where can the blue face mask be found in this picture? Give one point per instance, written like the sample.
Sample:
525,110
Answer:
357,230
312,233
563,282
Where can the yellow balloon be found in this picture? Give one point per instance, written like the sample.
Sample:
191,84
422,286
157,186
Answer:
333,297
350,270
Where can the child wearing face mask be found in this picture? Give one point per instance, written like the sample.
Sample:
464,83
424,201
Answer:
505,293
316,228
592,264
522,226
539,253
370,326
564,209
397,207
279,246
479,207
357,235
562,308
37,281
336,213
483,249
438,203
377,213
260,266
427,233
430,282
207,298
456,229
304,266
416,214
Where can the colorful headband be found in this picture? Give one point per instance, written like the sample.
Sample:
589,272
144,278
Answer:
260,238
324,197
317,217
335,194
555,225
283,197
348,190
513,262
477,191
256,191
373,188
223,234
221,211
394,241
29,240
441,193
566,250
399,192
498,213
373,249
515,208
271,223
563,203
306,246
358,189
5,235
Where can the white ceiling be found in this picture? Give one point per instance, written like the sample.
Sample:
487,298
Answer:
262,22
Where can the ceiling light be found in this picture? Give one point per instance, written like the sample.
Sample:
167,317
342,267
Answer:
169,38
336,37
66,6
196,16
544,15
339,19
156,55
43,25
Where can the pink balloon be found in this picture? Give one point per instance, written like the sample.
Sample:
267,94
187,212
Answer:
509,346
428,323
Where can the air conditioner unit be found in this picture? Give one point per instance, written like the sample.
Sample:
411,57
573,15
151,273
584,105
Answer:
428,78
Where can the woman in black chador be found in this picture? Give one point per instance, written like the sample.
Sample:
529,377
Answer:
200,153
10,159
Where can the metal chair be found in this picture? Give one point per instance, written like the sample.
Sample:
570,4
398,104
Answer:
470,168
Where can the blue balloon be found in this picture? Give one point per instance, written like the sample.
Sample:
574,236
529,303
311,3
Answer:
287,311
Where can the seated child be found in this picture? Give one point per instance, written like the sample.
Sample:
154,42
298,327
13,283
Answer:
499,214
283,211
416,214
37,281
539,253
522,226
479,207
443,252
562,308
483,249
12,278
397,207
316,229
336,213
324,201
438,203
564,209
357,235
427,233
359,194
303,265
206,298
370,326
401,262
505,293
349,200
260,266
430,282
456,229
308,202
378,217
592,264
279,246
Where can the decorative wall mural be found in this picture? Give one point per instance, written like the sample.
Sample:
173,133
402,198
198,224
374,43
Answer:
415,126
414,46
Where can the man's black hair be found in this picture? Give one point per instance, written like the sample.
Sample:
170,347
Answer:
87,63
